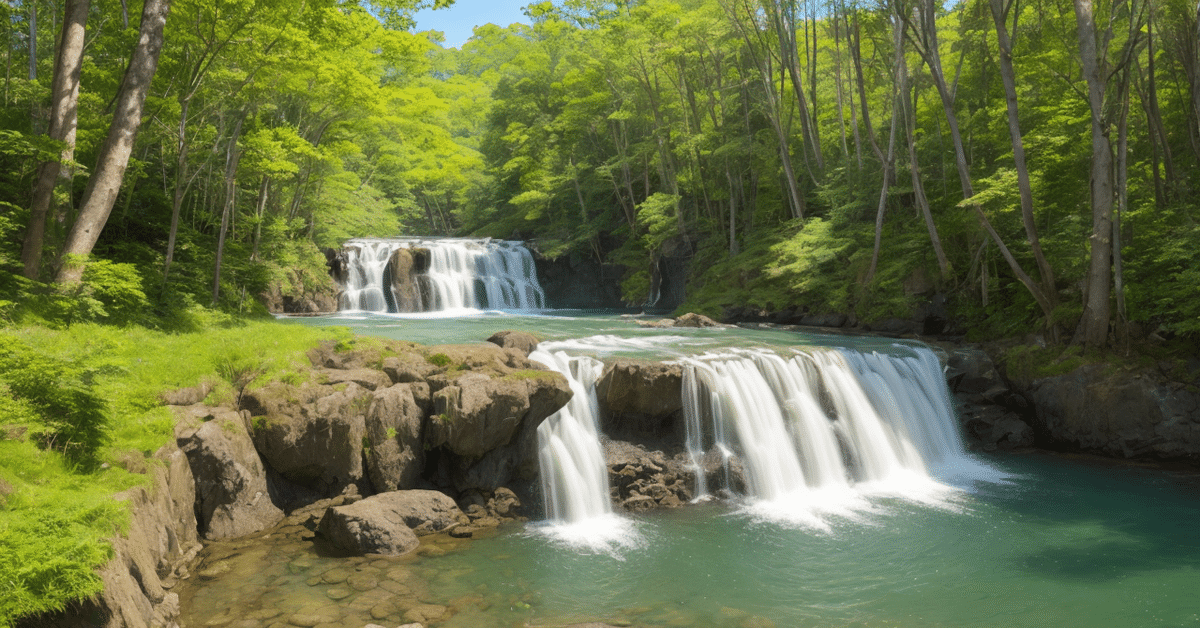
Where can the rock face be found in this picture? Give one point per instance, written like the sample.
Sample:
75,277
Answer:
394,424
301,294
640,480
403,268
146,562
389,523
312,435
1097,409
487,404
232,499
523,342
992,415
641,400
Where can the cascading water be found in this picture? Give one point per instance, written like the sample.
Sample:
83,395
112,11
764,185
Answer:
440,274
574,477
823,423
571,460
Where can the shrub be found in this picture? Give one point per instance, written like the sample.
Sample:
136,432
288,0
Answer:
70,413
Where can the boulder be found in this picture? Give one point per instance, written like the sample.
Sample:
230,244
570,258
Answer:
640,399
231,484
388,523
367,527
186,396
395,456
408,368
523,342
477,412
970,372
691,319
406,289
995,428
312,435
1127,414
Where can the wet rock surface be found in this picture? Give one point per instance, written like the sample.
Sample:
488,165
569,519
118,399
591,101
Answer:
641,400
641,480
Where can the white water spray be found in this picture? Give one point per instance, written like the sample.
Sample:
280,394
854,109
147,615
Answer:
818,430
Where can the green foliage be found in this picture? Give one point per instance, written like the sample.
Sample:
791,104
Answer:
439,359
53,530
1026,363
70,413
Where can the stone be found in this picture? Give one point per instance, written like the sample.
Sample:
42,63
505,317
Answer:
312,435
395,457
640,399
424,613
186,396
367,528
523,342
483,408
503,503
388,523
691,319
404,268
370,379
232,499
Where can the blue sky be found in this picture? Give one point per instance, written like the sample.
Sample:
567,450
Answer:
457,21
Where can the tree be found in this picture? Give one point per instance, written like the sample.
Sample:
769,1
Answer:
63,122
106,179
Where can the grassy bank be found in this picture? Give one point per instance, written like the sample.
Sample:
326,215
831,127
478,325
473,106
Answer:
80,418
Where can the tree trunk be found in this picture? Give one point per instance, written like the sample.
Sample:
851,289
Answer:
32,41
910,121
105,182
1000,9
260,209
181,179
928,50
232,156
63,118
1093,326
853,37
890,160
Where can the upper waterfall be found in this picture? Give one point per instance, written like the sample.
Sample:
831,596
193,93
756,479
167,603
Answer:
436,274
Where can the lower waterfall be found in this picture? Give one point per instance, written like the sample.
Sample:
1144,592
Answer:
571,460
438,274
800,433
817,430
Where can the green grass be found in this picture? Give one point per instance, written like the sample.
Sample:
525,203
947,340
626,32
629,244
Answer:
56,510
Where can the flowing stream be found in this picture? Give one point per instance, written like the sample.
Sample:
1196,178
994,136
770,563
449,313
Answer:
861,507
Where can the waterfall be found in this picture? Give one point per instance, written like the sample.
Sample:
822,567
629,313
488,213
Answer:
574,476
571,460
823,422
438,274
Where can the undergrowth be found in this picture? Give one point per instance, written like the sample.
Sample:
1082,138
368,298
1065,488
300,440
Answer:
80,419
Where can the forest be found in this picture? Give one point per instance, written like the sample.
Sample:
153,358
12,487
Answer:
1035,162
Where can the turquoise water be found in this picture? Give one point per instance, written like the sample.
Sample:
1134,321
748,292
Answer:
1066,543
1063,542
